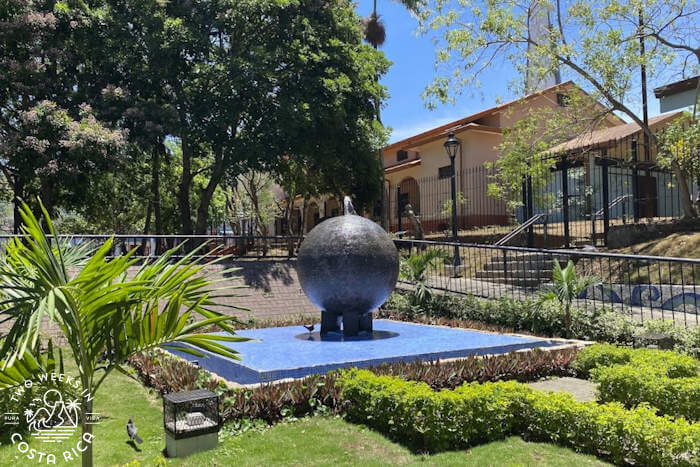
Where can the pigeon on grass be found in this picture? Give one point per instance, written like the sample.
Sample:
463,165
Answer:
131,431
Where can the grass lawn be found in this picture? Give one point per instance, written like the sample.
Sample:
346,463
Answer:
314,441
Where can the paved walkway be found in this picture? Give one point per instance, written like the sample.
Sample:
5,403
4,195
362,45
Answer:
582,389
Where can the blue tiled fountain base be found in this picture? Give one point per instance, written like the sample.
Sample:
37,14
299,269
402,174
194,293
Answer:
292,352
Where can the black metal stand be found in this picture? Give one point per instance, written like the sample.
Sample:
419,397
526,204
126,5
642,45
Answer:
353,323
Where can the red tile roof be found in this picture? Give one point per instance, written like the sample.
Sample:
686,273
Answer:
601,137
462,123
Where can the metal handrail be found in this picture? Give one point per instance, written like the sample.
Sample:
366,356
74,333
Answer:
612,204
518,230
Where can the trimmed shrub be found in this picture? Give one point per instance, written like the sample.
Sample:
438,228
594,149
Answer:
427,420
601,355
666,380
476,413
273,402
507,314
520,315
633,386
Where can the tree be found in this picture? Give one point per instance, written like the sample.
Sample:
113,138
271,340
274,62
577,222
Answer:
566,287
252,82
600,43
256,200
104,316
415,268
50,137
680,144
525,148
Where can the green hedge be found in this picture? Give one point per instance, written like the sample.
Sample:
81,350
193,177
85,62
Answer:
666,380
633,386
477,413
667,362
598,324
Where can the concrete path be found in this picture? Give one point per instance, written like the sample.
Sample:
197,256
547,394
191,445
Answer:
582,389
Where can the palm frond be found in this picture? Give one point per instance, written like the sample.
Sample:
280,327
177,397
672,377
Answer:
99,309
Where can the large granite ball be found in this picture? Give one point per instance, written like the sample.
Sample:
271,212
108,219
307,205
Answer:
348,265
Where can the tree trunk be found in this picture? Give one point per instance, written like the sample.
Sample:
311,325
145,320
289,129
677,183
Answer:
417,226
217,174
18,188
684,192
155,190
183,195
147,223
290,232
86,408
46,190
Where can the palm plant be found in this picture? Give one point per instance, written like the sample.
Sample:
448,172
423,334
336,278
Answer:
566,287
414,269
104,315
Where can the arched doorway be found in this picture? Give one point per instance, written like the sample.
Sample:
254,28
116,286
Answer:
409,192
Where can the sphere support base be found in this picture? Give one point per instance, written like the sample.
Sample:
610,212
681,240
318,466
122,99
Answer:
352,323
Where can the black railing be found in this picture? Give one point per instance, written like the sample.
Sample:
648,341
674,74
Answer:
522,227
151,246
646,287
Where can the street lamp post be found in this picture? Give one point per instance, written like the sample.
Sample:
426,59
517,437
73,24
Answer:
451,146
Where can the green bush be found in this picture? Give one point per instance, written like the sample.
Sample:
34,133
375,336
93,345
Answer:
666,362
476,413
633,386
597,324
666,380
427,420
601,355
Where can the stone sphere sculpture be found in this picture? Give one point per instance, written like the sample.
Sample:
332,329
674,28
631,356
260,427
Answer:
347,266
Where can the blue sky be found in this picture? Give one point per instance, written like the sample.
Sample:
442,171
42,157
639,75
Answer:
413,68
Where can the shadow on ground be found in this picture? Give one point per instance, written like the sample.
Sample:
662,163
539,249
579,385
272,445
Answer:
260,274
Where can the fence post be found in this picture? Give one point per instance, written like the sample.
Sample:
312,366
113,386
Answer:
530,213
606,202
565,198
635,182
398,207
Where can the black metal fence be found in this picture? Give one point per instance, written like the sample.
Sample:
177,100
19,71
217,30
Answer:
592,190
645,287
480,218
151,246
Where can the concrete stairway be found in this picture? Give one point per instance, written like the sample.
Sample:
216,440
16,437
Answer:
523,270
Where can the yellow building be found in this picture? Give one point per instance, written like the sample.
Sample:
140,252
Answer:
418,169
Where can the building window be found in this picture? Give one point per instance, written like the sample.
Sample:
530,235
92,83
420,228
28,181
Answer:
445,172
401,155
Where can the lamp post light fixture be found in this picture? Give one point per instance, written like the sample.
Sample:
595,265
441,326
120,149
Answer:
451,146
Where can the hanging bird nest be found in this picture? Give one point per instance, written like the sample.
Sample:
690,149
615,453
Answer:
375,32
